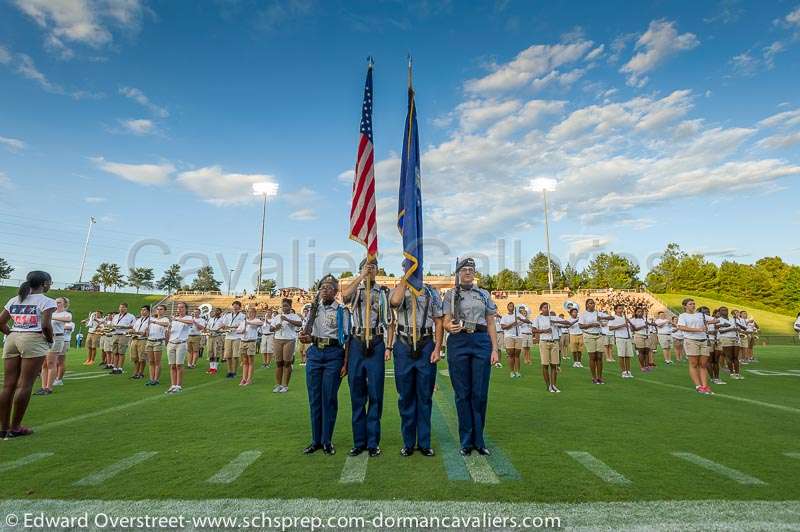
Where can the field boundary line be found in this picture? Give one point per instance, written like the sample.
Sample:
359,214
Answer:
725,471
234,469
354,470
97,478
726,396
599,468
792,455
25,460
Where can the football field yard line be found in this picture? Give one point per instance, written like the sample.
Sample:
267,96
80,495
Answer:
726,396
725,471
598,468
792,455
235,468
125,406
95,479
354,470
25,460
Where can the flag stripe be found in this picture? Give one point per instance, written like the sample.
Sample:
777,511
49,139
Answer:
363,222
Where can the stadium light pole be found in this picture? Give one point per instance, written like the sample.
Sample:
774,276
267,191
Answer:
545,185
92,221
268,190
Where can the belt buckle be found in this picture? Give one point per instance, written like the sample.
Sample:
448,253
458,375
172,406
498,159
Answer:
469,326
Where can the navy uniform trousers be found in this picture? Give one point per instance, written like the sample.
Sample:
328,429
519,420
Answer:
415,379
366,376
469,362
323,368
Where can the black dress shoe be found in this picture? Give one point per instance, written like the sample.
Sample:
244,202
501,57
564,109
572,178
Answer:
375,451
483,451
465,451
329,449
355,451
312,448
406,451
426,452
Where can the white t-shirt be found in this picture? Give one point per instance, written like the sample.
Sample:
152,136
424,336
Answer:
157,331
283,329
513,332
179,331
214,324
664,326
121,323
525,329
575,328
140,325
725,323
695,320
497,326
622,332
590,317
639,322
544,323
267,327
193,330
797,325
27,315
58,326
233,320
250,332
92,322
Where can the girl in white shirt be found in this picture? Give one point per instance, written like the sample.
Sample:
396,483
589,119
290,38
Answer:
247,349
26,344
677,339
511,323
695,331
638,325
50,368
69,328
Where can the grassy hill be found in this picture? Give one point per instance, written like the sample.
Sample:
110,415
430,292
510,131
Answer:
82,303
770,322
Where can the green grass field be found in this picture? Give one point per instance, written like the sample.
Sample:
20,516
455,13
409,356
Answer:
631,428
769,322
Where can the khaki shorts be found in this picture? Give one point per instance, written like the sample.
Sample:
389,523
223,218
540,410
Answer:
665,340
284,350
607,340
247,348
527,341
25,345
92,341
107,342
512,342
120,344
137,347
231,349
267,343
593,342
652,342
728,342
58,344
563,343
624,347
500,338
154,346
176,353
215,346
640,342
695,348
548,352
576,343
193,343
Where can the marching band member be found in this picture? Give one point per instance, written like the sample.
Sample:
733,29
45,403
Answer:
215,345
695,332
500,334
591,325
562,333
544,325
366,361
285,325
664,332
797,325
714,349
49,369
510,323
621,327
156,338
638,327
728,338
741,327
249,331
176,347
677,339
195,338
471,350
415,365
304,347
69,328
652,341
750,330
138,345
26,344
607,336
575,338
230,323
122,323
526,333
92,338
107,342
267,339
327,364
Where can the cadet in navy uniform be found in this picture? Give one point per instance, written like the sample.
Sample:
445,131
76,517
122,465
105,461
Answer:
415,369
471,351
326,365
366,363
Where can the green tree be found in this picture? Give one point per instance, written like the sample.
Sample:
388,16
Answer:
537,273
5,270
171,280
487,282
661,278
141,278
509,280
109,275
204,281
572,278
345,275
609,270
268,286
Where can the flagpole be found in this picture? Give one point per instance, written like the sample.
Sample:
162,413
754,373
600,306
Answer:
413,308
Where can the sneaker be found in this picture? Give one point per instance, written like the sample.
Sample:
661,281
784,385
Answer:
576,365
600,381
580,365
283,389
624,374
277,388
698,387
171,389
718,381
630,375
177,389
58,382
550,389
40,391
705,390
556,390
498,365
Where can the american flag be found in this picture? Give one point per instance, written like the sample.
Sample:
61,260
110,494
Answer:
363,224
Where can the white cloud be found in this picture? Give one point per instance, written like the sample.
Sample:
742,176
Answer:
139,97
5,182
301,197
660,41
780,141
771,51
785,119
5,55
138,126
12,145
221,188
27,68
144,174
94,199
303,215
749,63
583,244
636,224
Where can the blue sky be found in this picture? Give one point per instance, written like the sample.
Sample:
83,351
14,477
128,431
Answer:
675,121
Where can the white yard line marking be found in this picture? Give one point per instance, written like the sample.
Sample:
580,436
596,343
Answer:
725,471
125,406
444,372
726,396
355,469
95,479
599,468
86,377
235,468
31,458
792,455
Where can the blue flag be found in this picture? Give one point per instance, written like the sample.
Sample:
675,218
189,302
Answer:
409,208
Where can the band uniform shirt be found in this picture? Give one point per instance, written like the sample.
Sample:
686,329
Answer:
214,324
590,317
575,328
122,322
140,326
179,331
249,331
379,307
513,332
156,330
234,320
639,322
664,326
544,323
405,314
283,329
27,315
623,332
92,323
696,320
58,326
193,329
326,324
725,323
474,305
